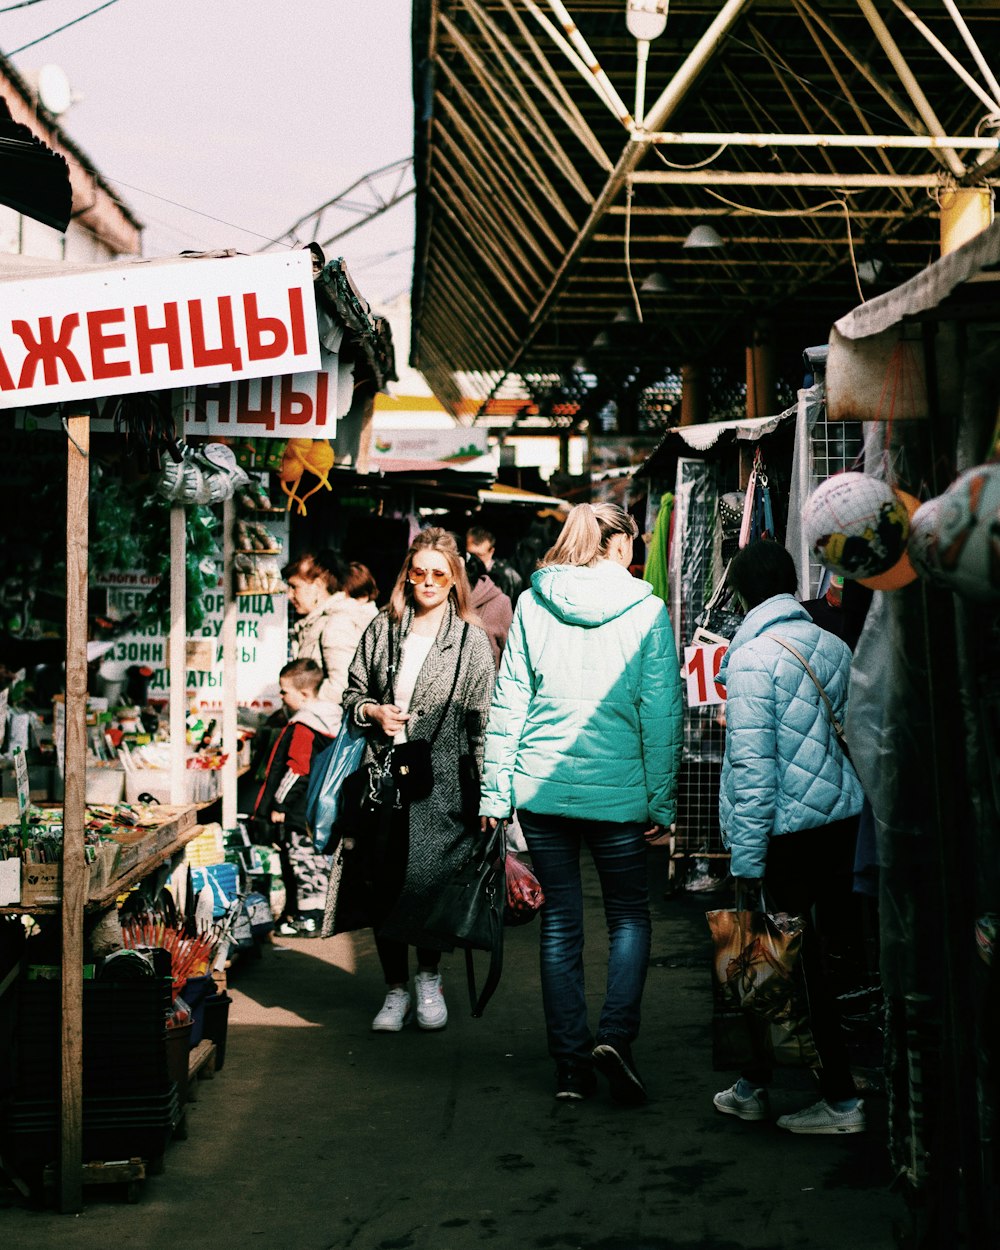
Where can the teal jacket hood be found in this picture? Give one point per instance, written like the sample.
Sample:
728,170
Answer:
588,596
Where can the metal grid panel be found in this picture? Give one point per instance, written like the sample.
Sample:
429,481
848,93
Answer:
835,446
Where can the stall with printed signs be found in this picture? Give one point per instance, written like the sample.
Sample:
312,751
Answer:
710,489
134,392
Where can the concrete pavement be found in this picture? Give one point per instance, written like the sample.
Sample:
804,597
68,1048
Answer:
320,1135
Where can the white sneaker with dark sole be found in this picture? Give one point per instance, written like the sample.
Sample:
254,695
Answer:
756,1106
821,1119
432,1013
396,1013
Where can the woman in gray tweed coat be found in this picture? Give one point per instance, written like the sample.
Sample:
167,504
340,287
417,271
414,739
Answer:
440,689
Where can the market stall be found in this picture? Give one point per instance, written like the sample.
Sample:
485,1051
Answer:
697,481
921,365
147,334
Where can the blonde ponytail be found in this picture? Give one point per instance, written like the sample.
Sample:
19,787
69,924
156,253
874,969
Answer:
588,531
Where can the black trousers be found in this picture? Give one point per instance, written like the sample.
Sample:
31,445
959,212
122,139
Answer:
387,885
813,869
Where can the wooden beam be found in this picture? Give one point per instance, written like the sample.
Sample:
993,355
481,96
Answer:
74,868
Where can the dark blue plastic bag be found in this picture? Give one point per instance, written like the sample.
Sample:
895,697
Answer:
326,777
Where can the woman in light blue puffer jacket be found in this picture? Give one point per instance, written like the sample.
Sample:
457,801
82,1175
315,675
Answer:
788,806
584,739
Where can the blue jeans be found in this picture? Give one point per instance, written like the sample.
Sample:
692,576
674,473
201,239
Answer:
619,854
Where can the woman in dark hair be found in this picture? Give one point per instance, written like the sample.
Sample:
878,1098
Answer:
423,670
331,621
788,805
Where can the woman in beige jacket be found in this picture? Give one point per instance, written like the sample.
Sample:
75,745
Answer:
330,622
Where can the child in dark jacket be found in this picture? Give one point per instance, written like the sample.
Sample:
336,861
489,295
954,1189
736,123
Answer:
281,800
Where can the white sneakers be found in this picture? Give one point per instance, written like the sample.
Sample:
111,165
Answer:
755,1106
431,1010
397,1010
822,1119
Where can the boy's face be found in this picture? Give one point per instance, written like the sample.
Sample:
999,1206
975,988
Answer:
292,697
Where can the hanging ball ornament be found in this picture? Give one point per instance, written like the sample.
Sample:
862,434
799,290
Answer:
902,572
956,537
856,525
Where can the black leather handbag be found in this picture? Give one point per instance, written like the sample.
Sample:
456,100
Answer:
469,911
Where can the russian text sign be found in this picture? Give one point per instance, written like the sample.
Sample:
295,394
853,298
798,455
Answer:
114,331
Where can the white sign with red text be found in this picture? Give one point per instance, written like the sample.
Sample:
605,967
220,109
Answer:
114,331
298,405
701,667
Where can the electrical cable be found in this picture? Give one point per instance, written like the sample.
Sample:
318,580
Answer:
700,164
65,26
804,212
628,251
23,4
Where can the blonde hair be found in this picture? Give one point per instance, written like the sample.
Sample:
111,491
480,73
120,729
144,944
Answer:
434,539
587,534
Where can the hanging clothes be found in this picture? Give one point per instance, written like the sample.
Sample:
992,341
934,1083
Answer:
657,571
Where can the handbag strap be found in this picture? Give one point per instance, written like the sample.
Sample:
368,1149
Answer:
391,669
838,728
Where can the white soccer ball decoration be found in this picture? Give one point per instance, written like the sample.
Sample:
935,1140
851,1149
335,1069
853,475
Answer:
955,540
856,525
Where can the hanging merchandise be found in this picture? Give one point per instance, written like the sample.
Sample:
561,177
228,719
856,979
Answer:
147,421
956,537
758,512
856,525
305,455
902,572
203,475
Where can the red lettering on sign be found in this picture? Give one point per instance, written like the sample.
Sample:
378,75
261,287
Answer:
257,327
101,343
6,381
322,394
219,395
296,406
264,414
48,350
228,352
298,317
168,335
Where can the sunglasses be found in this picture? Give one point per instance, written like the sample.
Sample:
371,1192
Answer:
417,577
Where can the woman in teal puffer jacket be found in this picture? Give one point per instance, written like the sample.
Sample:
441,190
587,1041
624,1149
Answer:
788,807
584,740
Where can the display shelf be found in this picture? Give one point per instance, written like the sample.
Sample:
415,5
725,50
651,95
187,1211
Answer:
243,594
258,551
152,861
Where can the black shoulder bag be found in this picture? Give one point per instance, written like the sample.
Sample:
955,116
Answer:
411,762
469,911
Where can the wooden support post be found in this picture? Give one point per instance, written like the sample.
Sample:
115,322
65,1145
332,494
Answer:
694,409
761,400
177,655
229,669
74,868
367,426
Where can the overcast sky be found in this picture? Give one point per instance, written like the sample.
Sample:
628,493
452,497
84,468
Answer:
251,112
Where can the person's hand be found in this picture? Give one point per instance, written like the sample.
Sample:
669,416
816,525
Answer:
659,834
488,823
389,718
277,818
